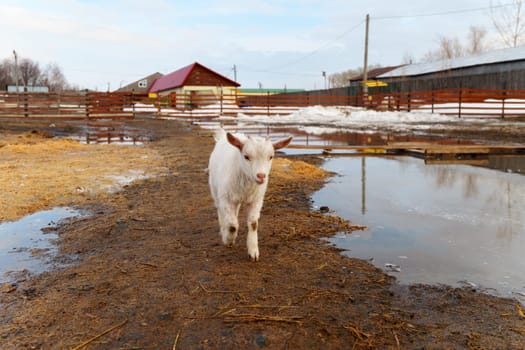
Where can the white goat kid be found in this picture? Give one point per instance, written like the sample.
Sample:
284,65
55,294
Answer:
239,167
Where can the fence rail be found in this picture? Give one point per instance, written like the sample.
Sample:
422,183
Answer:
458,102
93,105
71,105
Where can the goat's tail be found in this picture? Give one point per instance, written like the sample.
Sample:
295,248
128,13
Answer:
220,133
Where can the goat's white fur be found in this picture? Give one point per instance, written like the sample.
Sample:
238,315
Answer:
239,168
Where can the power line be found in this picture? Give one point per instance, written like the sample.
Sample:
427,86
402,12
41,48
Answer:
313,52
247,69
444,13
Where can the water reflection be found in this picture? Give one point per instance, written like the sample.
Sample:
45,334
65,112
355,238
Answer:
25,242
322,136
439,223
510,164
107,132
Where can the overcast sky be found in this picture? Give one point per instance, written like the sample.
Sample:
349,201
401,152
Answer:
272,43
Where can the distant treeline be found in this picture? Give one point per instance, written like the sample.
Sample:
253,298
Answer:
26,72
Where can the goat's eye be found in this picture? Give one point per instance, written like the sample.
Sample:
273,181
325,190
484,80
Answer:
271,157
247,157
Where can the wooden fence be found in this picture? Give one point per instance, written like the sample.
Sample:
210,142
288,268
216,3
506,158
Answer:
455,102
93,105
70,105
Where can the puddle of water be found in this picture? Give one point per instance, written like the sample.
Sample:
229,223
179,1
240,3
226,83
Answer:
440,224
107,132
320,136
27,244
112,138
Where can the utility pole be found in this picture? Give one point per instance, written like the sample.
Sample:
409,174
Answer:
16,80
363,185
324,76
365,64
234,72
16,70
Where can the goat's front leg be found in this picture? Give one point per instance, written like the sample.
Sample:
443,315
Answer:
253,214
228,222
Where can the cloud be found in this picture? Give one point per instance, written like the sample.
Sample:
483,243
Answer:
17,19
96,41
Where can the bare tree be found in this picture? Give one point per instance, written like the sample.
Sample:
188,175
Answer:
476,38
448,48
7,73
54,78
408,58
429,56
343,78
509,21
29,73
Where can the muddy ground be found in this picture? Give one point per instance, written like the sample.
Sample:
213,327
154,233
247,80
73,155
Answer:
147,271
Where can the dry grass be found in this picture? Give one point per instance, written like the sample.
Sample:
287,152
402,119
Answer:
297,170
37,173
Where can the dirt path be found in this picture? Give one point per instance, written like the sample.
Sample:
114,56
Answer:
149,272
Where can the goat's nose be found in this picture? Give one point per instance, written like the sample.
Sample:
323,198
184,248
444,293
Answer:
261,177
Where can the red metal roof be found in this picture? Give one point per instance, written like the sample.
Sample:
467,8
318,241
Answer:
179,77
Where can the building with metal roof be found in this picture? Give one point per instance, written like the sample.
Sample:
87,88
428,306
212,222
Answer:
261,91
141,85
372,74
497,69
28,88
194,79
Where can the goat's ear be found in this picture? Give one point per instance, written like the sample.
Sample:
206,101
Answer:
234,141
282,143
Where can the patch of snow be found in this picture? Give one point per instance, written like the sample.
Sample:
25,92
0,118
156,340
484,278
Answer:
119,181
319,119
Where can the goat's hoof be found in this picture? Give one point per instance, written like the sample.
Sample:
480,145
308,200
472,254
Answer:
254,256
229,240
229,244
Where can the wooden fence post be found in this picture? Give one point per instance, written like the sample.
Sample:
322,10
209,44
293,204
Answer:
26,103
58,103
307,99
86,103
459,102
432,101
503,106
132,101
268,103
158,105
222,98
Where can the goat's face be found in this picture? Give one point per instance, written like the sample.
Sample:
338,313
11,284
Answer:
256,156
